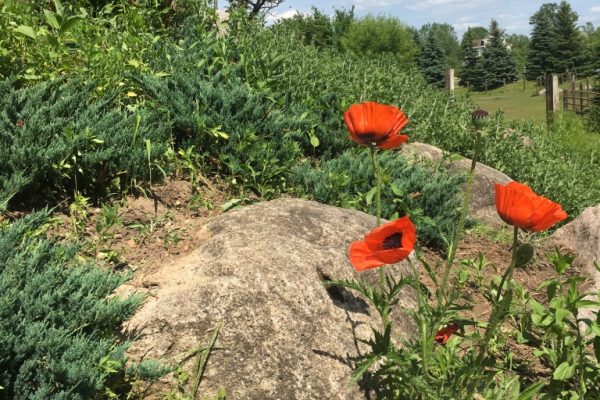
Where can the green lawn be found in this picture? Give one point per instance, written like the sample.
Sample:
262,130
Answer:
512,99
526,104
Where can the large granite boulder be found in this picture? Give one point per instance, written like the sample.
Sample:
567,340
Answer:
483,201
582,237
260,271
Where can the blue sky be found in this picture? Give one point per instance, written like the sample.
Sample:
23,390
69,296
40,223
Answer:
513,15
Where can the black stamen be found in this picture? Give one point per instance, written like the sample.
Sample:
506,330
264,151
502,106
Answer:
368,138
393,241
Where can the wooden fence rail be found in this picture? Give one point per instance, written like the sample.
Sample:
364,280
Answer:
578,100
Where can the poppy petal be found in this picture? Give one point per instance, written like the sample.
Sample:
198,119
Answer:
360,257
375,238
443,335
377,250
371,122
521,207
392,142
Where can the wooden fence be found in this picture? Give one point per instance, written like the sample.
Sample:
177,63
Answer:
579,99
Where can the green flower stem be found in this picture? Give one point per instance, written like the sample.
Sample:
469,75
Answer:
508,274
377,174
463,216
495,319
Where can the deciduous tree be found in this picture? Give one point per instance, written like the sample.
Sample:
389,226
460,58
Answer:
255,7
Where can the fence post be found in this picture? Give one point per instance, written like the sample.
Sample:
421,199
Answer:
449,80
552,104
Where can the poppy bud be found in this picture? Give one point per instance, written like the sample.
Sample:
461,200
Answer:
479,118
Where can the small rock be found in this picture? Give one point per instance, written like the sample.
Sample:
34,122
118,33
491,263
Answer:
483,202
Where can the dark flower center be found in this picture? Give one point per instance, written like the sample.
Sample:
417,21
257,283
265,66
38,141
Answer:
368,138
393,241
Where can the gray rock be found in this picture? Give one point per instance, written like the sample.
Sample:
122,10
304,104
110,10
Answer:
483,201
260,270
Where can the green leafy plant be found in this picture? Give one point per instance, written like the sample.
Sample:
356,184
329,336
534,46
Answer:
565,335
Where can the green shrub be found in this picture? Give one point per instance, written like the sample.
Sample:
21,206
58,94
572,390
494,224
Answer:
372,35
56,138
425,192
593,118
255,142
58,327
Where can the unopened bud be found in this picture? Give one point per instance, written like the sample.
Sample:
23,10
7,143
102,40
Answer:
524,254
480,118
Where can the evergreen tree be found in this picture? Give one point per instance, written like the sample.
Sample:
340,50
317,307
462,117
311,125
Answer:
569,40
446,38
432,61
498,62
542,47
470,59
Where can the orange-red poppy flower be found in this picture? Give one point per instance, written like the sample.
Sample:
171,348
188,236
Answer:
519,206
373,123
386,244
443,335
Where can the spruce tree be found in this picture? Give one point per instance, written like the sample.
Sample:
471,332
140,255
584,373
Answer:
542,47
470,58
431,61
446,38
498,62
569,40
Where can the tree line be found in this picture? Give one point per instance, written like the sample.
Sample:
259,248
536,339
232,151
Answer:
485,58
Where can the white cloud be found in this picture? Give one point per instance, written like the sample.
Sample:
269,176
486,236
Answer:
368,4
275,16
454,5
595,10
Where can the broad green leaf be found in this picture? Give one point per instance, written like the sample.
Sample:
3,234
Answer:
531,391
586,304
161,74
59,7
563,372
69,24
396,190
314,141
370,195
51,19
536,307
560,314
231,204
134,63
26,31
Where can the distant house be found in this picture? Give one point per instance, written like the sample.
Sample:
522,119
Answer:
481,44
